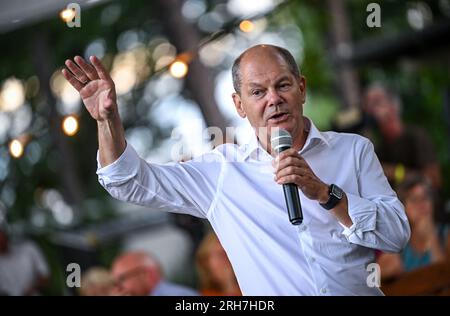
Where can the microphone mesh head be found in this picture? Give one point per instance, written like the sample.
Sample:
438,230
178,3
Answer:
280,140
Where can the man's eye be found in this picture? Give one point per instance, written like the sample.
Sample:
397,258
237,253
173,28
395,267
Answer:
285,86
256,93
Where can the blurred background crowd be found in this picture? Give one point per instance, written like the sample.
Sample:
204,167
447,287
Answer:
383,76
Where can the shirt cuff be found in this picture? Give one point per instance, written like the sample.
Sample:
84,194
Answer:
121,170
364,217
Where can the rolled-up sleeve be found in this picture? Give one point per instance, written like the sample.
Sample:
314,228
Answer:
121,170
379,219
187,188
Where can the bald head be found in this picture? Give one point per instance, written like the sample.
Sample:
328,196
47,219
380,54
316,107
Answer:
132,260
136,273
258,52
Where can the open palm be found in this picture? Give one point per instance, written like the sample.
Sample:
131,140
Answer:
97,96
95,86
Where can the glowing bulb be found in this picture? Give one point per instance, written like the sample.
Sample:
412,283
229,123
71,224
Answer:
16,148
12,95
70,125
178,69
246,26
67,15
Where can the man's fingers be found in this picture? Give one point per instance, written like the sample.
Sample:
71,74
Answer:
88,69
72,80
290,161
78,73
291,170
103,74
292,178
286,153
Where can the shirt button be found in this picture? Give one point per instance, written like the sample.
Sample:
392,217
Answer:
312,259
323,290
304,227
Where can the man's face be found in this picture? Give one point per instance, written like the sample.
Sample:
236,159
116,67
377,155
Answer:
380,106
271,96
131,280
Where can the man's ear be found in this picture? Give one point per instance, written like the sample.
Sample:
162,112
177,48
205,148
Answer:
238,104
302,85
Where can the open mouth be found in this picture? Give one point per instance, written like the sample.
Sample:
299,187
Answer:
278,117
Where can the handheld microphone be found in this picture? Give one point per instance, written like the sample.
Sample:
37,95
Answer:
281,140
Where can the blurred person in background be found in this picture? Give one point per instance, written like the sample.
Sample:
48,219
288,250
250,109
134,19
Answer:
216,275
96,281
424,247
23,268
138,274
404,150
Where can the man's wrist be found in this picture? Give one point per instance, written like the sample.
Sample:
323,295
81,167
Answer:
113,119
335,195
111,140
325,194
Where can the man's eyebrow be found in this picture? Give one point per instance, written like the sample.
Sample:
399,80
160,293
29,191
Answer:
282,79
254,84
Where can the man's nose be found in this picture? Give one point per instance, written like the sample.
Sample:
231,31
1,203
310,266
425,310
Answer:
274,97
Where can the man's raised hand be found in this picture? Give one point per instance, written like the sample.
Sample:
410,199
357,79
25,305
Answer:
95,86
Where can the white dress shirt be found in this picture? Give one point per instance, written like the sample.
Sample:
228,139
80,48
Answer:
21,267
233,187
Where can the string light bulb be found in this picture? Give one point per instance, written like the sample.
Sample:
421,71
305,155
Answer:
16,148
178,69
67,15
70,125
246,26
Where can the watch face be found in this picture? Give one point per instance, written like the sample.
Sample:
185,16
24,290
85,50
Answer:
337,191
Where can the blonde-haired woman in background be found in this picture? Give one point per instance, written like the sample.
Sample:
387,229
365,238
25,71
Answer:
216,275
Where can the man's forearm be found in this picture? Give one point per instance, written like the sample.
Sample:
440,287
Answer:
111,140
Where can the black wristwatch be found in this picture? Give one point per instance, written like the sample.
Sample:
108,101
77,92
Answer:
336,195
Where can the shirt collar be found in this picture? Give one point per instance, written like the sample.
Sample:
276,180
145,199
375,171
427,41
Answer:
255,150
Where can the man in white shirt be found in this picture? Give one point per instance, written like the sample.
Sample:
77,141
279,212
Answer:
23,268
348,206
